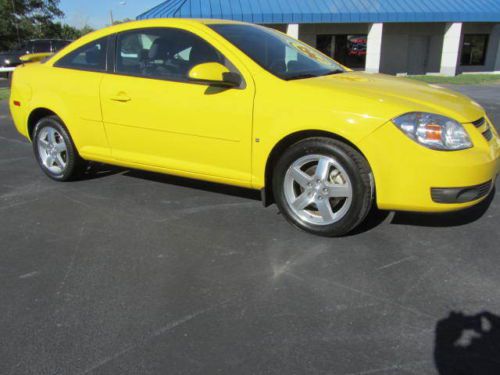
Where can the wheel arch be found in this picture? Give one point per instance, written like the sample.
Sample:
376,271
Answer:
289,140
36,115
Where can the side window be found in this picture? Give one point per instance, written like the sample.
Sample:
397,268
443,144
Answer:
163,53
91,57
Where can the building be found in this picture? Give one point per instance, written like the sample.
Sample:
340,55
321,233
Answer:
389,36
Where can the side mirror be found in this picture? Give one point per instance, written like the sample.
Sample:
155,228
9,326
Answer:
214,74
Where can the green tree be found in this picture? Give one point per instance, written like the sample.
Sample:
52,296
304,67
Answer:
62,31
26,19
85,30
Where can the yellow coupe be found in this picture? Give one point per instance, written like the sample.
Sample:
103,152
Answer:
244,105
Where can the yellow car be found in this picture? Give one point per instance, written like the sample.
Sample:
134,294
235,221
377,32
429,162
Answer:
244,105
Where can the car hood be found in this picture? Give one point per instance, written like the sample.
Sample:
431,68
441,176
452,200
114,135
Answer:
404,95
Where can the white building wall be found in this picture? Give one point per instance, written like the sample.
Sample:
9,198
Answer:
394,53
374,47
400,43
496,60
412,48
309,32
293,30
451,49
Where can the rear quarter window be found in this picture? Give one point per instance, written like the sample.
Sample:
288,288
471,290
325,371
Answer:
90,57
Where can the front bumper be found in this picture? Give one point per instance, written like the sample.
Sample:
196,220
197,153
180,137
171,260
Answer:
462,194
410,177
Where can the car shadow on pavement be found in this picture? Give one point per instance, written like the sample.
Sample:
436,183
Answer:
468,344
99,170
195,184
375,218
449,219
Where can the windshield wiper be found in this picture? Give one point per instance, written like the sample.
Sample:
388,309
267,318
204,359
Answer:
311,75
336,71
302,76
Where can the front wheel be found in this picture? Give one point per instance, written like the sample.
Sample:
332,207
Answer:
323,186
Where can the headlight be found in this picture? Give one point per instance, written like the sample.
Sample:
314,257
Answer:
7,62
434,131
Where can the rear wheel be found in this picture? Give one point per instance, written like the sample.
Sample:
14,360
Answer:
54,150
323,186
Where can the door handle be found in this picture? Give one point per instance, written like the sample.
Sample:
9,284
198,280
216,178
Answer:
121,97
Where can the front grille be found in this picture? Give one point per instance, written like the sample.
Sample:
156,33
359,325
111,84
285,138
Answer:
479,123
461,195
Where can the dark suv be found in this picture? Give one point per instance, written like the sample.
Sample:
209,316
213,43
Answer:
10,59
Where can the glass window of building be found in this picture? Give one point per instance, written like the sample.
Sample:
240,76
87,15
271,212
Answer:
349,50
474,49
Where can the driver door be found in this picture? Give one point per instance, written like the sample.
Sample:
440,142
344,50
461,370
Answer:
154,115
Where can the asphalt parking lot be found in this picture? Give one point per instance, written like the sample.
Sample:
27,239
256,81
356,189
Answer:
129,272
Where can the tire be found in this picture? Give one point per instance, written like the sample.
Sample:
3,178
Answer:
323,186
55,151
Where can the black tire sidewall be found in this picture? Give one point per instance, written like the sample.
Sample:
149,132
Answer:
361,198
72,156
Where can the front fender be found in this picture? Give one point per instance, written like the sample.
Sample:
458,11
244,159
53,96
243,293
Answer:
271,131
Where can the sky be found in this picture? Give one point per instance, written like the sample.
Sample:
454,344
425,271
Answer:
96,13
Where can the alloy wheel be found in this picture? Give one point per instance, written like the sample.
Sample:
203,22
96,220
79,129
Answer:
318,189
53,150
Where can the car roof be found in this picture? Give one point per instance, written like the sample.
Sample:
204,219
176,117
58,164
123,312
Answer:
131,25
211,21
170,22
152,23
205,21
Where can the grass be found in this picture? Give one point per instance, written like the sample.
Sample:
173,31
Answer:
462,79
4,93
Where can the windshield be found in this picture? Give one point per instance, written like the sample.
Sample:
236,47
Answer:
280,55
